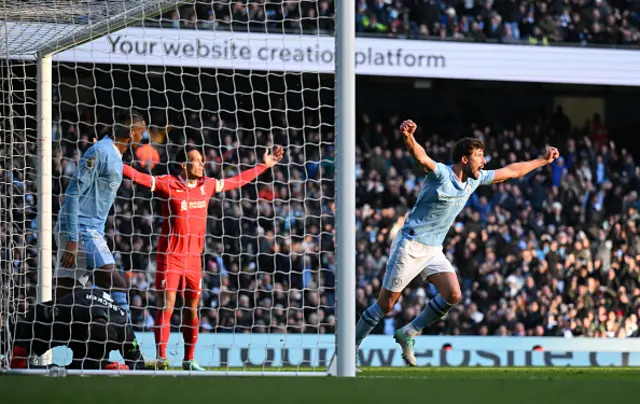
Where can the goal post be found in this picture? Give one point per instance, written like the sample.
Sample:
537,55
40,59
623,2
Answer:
59,44
346,191
33,29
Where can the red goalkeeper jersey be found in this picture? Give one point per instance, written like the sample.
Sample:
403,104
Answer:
184,210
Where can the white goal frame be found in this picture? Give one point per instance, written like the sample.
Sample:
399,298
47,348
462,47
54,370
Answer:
345,107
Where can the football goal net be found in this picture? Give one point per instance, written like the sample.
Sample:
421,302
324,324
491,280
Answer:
234,79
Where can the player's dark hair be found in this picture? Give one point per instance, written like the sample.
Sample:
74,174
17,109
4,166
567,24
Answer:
124,120
183,153
465,147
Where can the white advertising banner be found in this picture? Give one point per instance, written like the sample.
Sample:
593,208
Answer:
277,350
378,57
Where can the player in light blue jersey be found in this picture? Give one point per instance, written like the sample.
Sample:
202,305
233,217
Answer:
88,200
417,249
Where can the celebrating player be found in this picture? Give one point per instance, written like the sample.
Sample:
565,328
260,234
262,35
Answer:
86,321
88,199
179,261
417,249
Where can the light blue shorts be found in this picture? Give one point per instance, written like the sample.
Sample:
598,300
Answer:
93,253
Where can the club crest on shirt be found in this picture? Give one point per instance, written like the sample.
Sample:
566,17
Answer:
202,190
468,189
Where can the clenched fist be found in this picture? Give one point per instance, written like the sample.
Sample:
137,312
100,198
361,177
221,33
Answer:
408,128
551,154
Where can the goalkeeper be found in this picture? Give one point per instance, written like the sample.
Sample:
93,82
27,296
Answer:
88,322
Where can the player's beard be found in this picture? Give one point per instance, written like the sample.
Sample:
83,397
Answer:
476,174
471,173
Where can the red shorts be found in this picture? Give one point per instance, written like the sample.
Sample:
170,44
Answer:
181,280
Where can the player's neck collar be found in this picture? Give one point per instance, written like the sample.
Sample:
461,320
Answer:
459,183
113,143
190,185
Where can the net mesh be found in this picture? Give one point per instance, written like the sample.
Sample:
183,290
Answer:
65,11
17,181
268,289
31,26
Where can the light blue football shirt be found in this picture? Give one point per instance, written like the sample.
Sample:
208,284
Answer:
92,190
441,199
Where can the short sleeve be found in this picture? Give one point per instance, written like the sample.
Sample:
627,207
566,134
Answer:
162,184
487,177
440,173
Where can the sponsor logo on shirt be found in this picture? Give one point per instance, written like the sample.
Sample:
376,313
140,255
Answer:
454,200
184,205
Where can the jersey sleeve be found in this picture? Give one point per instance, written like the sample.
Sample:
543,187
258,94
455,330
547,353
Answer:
85,175
487,177
162,184
137,177
242,179
159,184
440,172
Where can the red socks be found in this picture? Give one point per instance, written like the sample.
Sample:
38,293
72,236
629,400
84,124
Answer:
161,332
190,335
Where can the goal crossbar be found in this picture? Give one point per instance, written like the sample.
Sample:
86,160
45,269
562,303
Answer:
26,34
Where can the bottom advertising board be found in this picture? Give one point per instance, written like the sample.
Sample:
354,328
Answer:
311,350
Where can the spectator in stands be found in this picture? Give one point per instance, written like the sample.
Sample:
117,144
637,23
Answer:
574,21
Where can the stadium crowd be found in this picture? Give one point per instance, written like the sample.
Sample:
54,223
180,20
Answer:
600,22
553,254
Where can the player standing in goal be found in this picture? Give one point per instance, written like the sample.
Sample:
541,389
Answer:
417,249
180,247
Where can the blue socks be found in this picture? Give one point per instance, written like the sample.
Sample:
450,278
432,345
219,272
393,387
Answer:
369,320
434,311
120,298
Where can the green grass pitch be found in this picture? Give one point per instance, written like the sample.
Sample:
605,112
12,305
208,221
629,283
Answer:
374,385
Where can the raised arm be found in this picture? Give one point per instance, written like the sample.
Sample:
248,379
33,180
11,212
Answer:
245,177
138,177
408,128
520,169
